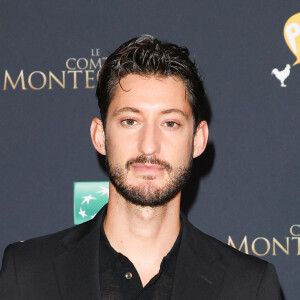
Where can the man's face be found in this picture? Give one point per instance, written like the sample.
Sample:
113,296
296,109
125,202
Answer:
149,139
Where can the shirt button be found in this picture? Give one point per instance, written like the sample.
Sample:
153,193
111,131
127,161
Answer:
128,275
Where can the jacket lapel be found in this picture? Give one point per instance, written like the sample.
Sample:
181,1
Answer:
77,267
197,275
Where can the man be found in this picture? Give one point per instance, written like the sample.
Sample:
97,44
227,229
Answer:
139,246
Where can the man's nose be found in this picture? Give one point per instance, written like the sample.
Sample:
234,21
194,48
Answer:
149,140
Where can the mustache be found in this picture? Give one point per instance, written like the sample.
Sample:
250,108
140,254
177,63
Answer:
144,159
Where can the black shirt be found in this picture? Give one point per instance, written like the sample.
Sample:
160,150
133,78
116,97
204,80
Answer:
120,280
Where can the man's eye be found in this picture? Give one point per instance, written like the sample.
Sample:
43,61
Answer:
129,122
171,124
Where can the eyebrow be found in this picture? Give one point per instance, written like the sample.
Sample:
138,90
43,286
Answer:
135,110
174,110
126,109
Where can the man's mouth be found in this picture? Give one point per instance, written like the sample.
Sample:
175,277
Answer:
145,163
147,168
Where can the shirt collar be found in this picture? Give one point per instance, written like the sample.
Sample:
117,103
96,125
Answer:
108,255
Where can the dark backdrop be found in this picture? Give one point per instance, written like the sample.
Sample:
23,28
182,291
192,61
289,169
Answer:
246,186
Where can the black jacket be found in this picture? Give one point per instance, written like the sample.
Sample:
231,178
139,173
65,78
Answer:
64,265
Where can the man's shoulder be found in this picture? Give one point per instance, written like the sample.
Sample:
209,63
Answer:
224,255
53,244
43,246
234,272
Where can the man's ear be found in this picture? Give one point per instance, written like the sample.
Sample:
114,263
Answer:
98,135
200,139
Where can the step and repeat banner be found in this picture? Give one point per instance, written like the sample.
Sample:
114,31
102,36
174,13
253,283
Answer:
245,187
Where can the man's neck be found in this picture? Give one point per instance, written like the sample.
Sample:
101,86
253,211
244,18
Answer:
145,235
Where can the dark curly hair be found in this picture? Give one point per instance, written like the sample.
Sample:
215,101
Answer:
147,56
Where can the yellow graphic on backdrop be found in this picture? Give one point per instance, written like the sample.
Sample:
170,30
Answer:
291,34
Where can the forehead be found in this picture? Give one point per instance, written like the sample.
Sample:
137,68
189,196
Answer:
150,93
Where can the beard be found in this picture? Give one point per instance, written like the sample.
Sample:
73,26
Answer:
147,194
